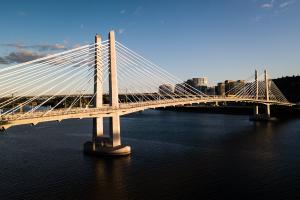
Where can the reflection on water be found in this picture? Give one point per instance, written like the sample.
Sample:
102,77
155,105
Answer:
176,155
108,175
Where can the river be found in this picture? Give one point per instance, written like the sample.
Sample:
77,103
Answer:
175,155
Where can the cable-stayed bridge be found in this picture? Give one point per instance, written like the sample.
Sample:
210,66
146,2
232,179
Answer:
131,82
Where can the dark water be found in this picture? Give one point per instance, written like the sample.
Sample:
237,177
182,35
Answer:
176,155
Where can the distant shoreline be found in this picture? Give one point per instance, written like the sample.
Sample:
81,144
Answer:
279,112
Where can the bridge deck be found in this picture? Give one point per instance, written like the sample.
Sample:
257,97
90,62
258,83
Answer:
106,111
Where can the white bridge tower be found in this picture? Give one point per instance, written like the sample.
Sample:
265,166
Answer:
106,144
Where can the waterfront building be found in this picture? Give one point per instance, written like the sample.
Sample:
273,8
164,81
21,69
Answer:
200,84
220,89
231,86
180,89
190,82
211,91
203,81
166,89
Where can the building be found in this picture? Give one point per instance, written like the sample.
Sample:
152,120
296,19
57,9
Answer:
199,83
190,82
220,89
166,89
211,91
232,87
180,89
229,85
203,81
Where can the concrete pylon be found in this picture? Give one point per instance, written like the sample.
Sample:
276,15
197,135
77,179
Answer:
268,111
263,116
256,93
113,78
114,121
107,145
98,88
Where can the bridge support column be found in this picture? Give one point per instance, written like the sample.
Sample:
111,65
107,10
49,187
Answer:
256,115
256,110
266,116
268,110
115,132
108,145
256,92
267,93
98,89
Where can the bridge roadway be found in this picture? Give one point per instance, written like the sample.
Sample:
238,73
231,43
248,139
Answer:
7,121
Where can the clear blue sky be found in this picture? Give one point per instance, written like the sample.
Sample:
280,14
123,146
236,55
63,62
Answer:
213,38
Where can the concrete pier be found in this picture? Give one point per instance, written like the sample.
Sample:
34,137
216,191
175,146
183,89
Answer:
96,149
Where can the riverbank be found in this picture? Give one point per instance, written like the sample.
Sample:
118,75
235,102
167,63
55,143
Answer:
276,111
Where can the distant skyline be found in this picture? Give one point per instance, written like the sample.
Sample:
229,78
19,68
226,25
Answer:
215,39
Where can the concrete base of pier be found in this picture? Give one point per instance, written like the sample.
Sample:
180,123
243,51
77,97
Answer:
96,149
262,117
